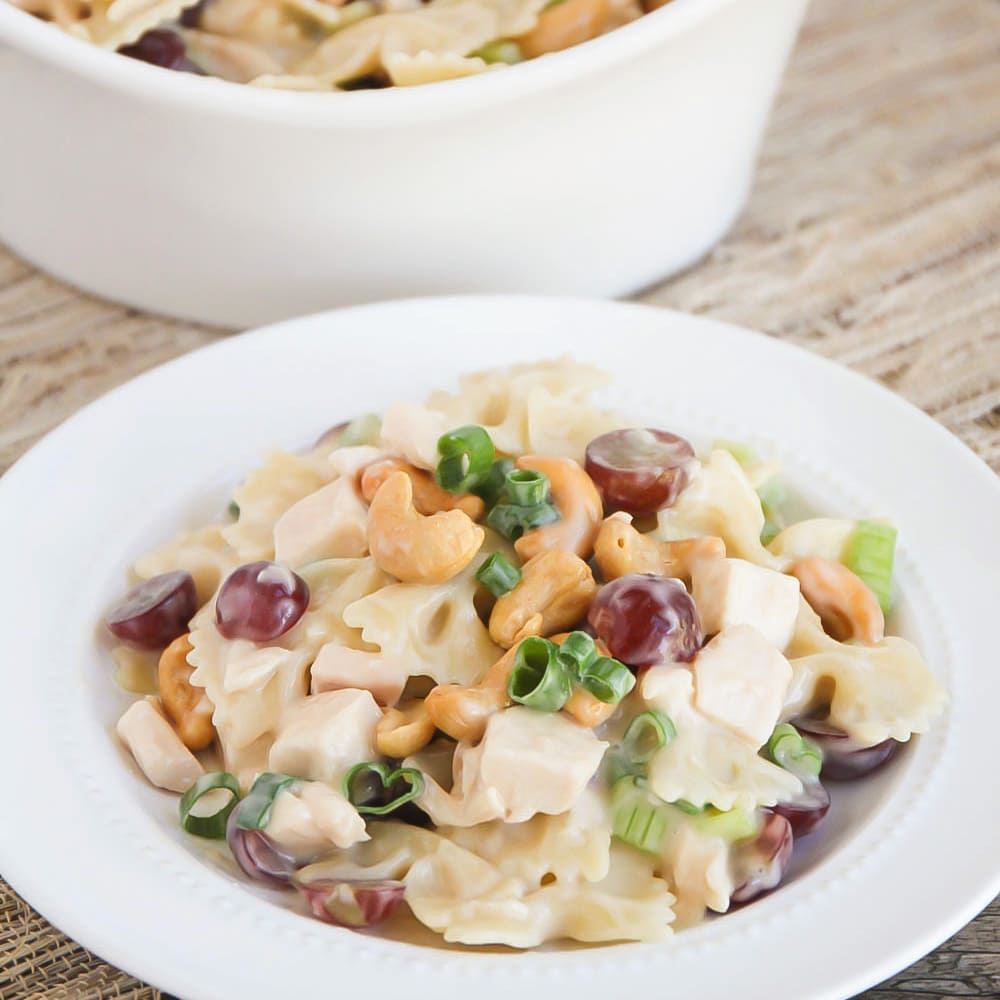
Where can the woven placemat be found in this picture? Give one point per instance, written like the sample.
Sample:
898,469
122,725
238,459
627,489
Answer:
873,237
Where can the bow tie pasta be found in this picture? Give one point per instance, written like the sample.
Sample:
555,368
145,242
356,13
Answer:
525,673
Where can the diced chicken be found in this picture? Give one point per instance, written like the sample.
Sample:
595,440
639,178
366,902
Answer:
527,762
157,749
325,734
337,667
412,431
331,523
735,592
312,819
741,681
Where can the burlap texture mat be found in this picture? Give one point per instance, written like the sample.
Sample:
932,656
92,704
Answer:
872,237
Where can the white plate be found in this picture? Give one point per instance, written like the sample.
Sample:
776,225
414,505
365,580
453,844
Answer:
907,859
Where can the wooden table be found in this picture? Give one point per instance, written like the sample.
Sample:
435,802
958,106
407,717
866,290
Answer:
873,236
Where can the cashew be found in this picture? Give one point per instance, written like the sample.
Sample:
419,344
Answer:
428,497
414,548
847,608
554,593
576,497
404,730
188,707
462,712
619,550
565,24
588,709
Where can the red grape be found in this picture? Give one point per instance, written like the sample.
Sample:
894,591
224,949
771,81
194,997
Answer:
843,759
806,811
260,601
645,619
155,612
640,470
349,903
258,855
760,864
161,47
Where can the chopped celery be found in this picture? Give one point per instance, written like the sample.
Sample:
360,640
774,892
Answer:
503,50
870,555
733,825
638,818
363,430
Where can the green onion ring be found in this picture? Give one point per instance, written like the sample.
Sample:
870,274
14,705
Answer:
211,827
789,749
608,680
538,679
255,810
497,575
526,487
647,734
388,778
577,652
512,521
490,488
466,456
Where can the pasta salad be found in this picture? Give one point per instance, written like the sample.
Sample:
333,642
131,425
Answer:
336,45
507,663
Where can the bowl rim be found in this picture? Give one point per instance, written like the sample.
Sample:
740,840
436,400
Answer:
49,44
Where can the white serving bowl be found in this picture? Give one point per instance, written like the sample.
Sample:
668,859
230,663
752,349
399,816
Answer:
596,170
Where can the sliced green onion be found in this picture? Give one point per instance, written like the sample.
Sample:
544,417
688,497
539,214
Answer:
212,827
769,533
512,521
577,652
362,430
743,453
870,556
538,679
608,680
492,485
687,807
255,810
789,749
732,825
466,456
647,734
526,487
354,786
233,509
635,818
497,575
501,51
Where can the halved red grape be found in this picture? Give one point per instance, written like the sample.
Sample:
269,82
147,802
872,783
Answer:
639,469
258,855
161,47
843,758
760,864
346,903
806,811
645,619
154,613
260,601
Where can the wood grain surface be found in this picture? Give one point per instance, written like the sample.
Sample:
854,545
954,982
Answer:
872,236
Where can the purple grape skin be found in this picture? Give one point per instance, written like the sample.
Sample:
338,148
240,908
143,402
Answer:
161,47
645,619
807,810
155,612
843,759
761,863
260,609
373,901
632,475
258,856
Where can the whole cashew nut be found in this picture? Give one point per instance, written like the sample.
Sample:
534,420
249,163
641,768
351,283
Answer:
554,593
576,497
462,712
564,25
620,549
414,548
847,608
187,707
404,730
428,497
